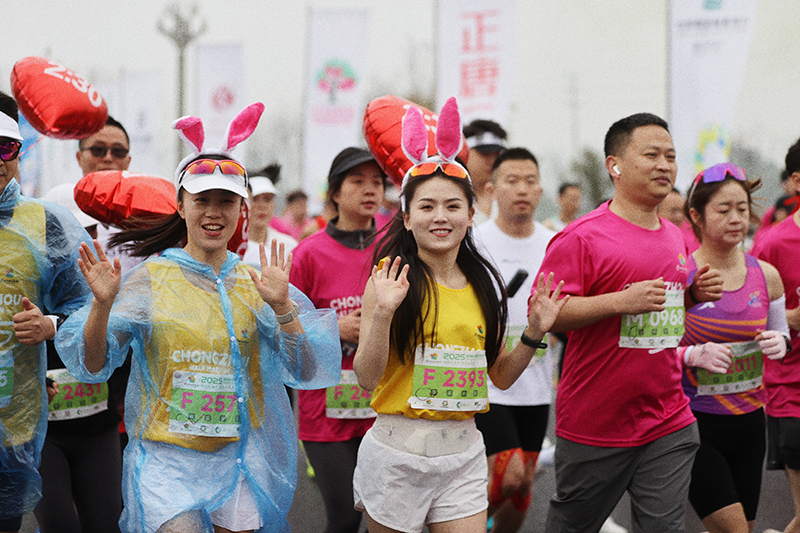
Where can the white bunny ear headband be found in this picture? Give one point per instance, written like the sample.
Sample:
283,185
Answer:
448,143
202,175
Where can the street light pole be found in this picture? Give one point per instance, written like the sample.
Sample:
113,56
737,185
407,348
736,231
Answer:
182,29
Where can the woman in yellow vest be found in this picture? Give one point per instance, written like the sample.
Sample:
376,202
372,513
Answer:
212,443
431,332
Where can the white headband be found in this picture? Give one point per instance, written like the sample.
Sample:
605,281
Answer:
9,127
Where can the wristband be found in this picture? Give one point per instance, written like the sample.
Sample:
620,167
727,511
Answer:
527,341
686,355
288,317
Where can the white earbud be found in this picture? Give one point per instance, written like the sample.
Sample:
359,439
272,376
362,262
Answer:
616,169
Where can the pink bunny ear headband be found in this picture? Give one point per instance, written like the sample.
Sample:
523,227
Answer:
205,174
448,143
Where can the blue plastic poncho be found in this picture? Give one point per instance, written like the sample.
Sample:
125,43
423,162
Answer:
38,253
206,403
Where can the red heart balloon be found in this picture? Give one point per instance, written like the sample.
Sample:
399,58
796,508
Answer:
56,101
238,243
115,196
383,129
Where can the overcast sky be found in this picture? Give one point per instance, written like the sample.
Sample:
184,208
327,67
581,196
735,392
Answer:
612,52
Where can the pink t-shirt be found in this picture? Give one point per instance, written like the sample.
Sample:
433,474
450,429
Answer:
689,237
332,276
286,225
780,247
611,396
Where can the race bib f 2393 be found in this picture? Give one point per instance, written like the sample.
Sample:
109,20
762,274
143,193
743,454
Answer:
449,378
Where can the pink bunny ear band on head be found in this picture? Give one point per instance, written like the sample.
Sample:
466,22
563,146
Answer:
448,143
190,129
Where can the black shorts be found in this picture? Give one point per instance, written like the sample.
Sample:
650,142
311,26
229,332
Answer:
506,427
784,443
728,466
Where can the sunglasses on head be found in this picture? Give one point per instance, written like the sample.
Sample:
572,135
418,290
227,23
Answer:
450,169
207,166
117,152
718,173
9,150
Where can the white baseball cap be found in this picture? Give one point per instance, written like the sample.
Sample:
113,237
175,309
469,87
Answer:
262,185
9,127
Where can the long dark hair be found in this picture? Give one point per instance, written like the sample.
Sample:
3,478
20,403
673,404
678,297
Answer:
407,330
151,236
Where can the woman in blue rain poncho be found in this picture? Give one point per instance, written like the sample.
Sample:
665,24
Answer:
212,439
39,257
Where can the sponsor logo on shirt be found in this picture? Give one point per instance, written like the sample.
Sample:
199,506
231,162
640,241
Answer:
681,266
755,300
10,276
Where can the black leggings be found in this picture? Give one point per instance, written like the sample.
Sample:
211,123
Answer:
728,465
334,464
84,474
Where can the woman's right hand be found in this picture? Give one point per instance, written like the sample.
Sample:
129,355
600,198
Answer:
390,288
711,356
103,277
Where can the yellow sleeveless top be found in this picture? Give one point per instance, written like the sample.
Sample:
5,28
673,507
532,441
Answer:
460,322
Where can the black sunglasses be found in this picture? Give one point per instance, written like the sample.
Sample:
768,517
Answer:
117,152
9,150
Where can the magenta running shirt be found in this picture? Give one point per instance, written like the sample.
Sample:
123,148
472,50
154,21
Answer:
332,276
737,317
780,247
608,395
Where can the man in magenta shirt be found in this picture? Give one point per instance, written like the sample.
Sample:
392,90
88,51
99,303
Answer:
622,420
780,246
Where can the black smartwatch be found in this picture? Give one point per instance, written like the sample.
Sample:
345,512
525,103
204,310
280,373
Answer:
527,341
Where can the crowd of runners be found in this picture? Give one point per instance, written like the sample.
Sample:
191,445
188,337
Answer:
418,330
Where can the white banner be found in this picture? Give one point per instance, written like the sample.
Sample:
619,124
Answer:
476,57
133,100
139,115
336,66
219,90
709,43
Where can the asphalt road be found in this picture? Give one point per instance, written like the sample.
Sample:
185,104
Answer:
775,508
308,514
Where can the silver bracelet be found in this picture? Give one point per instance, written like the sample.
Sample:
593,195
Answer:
291,315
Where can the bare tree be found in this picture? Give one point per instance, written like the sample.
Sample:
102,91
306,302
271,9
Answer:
756,166
589,170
